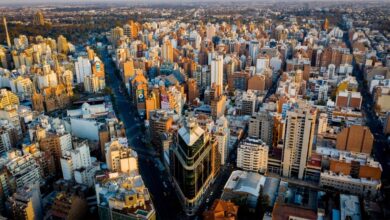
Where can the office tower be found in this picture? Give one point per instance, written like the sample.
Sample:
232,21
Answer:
139,91
83,68
355,138
6,33
193,164
217,72
129,199
248,103
120,158
167,51
25,203
298,140
252,155
38,19
261,126
62,45
222,135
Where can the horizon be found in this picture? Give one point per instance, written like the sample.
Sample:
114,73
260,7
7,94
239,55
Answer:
158,2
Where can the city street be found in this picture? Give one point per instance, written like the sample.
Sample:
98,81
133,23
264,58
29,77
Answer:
164,198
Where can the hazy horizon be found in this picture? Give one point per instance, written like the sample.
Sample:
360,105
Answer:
62,2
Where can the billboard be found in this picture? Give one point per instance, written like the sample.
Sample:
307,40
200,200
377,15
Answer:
140,96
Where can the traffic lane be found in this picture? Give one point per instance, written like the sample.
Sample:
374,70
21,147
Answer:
165,199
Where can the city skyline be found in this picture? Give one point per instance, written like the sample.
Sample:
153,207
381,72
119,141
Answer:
195,110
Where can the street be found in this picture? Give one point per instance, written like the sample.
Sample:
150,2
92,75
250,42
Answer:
164,198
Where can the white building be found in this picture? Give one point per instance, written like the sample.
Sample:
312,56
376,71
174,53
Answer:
344,183
222,134
83,68
252,155
24,170
217,71
75,159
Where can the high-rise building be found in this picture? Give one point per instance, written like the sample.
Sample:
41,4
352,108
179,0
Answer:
56,145
120,158
222,135
248,103
193,164
75,159
217,72
210,32
38,19
261,126
139,91
160,122
167,51
83,68
8,136
116,34
193,91
252,155
8,98
6,33
62,45
24,169
298,140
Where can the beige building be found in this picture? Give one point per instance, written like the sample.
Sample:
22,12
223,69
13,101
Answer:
120,158
298,140
252,155
167,51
